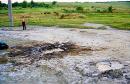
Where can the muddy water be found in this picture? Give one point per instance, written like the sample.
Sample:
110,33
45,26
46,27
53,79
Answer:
110,51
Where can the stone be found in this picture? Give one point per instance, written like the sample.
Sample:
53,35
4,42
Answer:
110,69
112,74
127,77
3,46
59,73
3,60
109,65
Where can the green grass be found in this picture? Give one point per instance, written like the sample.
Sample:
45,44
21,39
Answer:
119,19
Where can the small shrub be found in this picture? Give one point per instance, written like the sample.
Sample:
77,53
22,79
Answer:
47,12
68,11
62,16
110,9
104,11
56,13
101,11
98,10
65,10
79,9
92,6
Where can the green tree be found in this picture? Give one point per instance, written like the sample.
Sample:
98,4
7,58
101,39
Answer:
32,3
24,4
0,3
54,3
3,5
110,9
15,4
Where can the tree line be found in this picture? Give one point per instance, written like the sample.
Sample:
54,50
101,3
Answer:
26,4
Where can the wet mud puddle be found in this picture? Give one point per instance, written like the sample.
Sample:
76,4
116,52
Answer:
65,56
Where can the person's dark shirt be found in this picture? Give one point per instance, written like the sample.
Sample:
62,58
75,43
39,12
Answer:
23,23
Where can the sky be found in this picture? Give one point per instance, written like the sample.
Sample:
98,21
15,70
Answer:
5,1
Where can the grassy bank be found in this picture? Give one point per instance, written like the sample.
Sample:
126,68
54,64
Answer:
67,15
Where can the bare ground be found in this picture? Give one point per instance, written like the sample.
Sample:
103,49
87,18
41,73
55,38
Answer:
97,56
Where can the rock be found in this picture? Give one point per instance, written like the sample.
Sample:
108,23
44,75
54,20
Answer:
66,46
3,53
3,46
59,73
103,66
127,77
95,74
112,74
3,60
48,46
15,52
110,69
109,65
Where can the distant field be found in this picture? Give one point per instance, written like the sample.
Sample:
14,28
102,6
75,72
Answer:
67,15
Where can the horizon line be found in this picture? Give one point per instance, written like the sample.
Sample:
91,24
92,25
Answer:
72,1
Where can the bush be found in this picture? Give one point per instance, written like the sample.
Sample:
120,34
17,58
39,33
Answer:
98,11
68,11
101,10
104,11
65,10
110,9
56,13
47,12
62,16
79,9
92,6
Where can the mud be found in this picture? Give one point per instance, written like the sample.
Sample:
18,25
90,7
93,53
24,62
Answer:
34,51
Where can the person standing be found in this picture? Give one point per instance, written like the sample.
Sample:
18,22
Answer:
24,24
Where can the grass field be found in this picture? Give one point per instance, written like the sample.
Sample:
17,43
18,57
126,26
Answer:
65,15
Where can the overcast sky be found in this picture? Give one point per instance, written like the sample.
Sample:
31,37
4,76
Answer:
5,1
